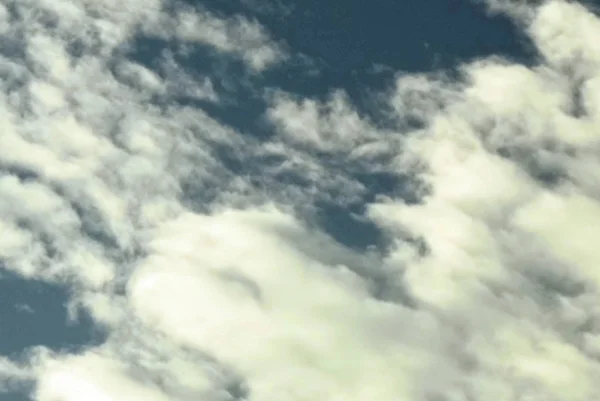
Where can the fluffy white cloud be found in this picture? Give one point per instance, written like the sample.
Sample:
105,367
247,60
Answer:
218,299
92,377
295,328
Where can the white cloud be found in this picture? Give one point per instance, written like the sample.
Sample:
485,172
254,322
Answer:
13,376
484,148
92,377
95,185
238,36
324,127
329,339
182,84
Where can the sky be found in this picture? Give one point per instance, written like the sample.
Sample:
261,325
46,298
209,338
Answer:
288,201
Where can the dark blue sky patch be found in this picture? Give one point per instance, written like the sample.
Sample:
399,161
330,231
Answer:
344,225
21,393
349,37
34,313
391,185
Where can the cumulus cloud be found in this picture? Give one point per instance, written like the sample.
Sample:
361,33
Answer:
214,282
236,281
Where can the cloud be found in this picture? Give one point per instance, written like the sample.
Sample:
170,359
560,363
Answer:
215,283
93,377
324,127
285,343
13,376
243,38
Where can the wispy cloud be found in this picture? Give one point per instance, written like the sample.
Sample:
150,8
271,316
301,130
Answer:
238,36
215,283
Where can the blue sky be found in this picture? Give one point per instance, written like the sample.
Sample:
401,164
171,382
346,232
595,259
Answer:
278,200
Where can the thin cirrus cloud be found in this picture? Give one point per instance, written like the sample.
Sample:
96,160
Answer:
212,282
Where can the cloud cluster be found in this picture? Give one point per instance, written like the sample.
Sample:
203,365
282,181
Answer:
212,282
